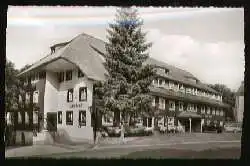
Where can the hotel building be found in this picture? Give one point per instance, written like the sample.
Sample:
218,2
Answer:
63,92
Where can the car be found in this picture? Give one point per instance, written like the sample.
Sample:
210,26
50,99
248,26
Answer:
212,128
233,127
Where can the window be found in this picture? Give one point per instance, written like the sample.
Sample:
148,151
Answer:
221,113
180,106
202,109
149,122
213,112
144,122
153,102
19,117
69,118
26,118
170,121
70,95
83,94
42,75
35,97
68,75
221,123
171,105
160,81
166,71
82,118
27,97
59,117
35,117
61,76
208,111
80,73
217,112
208,122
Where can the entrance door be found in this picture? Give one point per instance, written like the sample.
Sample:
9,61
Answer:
52,121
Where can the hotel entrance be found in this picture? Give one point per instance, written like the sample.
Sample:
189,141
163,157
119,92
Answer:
191,121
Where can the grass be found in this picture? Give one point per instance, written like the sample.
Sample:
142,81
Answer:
220,153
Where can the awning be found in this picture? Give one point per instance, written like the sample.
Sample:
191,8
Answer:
188,115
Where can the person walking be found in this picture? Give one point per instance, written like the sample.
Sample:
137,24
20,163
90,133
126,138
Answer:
122,133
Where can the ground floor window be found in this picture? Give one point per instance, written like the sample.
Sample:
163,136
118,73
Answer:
221,123
82,118
69,117
171,121
147,122
59,114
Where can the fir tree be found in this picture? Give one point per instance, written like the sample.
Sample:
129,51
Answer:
126,90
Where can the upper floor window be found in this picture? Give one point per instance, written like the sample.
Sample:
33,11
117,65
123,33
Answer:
35,97
59,114
19,117
35,117
82,118
171,105
61,76
153,102
69,118
213,112
83,94
221,113
217,112
202,109
180,106
70,95
26,118
160,81
68,75
42,75
162,103
208,122
80,73
208,110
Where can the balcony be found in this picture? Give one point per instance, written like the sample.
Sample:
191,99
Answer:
188,97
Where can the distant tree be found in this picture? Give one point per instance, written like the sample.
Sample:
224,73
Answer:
126,89
228,97
11,86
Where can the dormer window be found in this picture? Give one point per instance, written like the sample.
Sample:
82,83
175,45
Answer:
166,71
68,75
80,73
53,50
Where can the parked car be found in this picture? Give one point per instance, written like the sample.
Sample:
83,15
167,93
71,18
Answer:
212,128
233,127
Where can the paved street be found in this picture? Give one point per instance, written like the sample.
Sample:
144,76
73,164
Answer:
134,151
111,148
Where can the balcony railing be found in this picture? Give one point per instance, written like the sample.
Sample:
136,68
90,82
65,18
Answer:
177,95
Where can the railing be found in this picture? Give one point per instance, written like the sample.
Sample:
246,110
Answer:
171,93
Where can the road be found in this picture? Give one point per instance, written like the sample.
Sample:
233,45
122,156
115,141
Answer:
163,150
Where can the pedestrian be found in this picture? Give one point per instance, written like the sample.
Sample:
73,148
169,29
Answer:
122,133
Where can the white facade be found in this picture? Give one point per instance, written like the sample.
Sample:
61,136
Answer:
55,100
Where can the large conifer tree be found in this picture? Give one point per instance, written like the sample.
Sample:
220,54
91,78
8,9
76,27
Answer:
126,90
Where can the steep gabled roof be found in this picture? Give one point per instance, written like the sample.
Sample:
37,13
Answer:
87,52
82,51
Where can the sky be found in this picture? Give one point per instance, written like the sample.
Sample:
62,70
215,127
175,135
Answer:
208,42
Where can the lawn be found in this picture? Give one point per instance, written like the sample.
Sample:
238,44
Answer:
225,153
